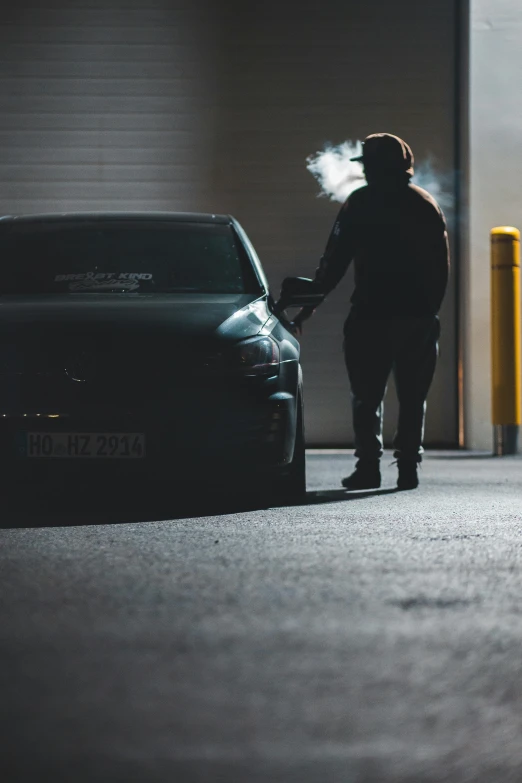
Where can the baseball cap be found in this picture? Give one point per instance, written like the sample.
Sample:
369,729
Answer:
386,151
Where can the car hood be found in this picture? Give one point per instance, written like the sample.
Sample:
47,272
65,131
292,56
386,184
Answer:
190,316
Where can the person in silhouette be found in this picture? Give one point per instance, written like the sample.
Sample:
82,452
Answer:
395,233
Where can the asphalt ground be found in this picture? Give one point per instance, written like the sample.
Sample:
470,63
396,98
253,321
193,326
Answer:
375,636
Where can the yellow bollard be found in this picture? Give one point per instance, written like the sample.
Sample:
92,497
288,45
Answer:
505,338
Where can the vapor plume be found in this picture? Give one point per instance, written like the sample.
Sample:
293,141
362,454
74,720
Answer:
338,176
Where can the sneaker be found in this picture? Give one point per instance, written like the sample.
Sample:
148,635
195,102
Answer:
367,475
408,474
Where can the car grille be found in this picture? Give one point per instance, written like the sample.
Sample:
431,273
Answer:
57,372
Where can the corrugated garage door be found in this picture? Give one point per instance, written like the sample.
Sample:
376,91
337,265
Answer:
128,104
105,105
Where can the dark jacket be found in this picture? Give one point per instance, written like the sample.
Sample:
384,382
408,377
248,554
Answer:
395,233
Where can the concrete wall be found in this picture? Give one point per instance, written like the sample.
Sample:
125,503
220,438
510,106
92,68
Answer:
495,185
214,105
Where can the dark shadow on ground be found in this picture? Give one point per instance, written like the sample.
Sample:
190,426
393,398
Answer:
335,495
41,509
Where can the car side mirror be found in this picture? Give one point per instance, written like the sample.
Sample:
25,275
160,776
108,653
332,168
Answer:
299,292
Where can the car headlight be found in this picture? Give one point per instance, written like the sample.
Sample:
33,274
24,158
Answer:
259,356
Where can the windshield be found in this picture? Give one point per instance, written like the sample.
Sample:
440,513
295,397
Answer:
123,257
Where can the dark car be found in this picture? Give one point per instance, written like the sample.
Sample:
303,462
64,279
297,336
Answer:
146,346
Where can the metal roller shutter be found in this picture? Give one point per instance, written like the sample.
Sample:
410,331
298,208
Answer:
104,105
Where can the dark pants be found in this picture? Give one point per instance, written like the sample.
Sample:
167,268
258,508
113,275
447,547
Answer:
375,348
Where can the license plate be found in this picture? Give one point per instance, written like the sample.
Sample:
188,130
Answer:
82,445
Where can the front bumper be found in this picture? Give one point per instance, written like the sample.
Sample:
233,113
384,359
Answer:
239,433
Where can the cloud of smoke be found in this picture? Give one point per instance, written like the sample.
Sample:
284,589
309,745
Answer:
440,185
338,176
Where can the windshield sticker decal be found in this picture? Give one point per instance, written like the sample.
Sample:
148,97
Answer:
104,276
104,285
103,281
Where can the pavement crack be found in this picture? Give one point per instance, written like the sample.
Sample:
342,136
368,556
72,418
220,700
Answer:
462,537
407,604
